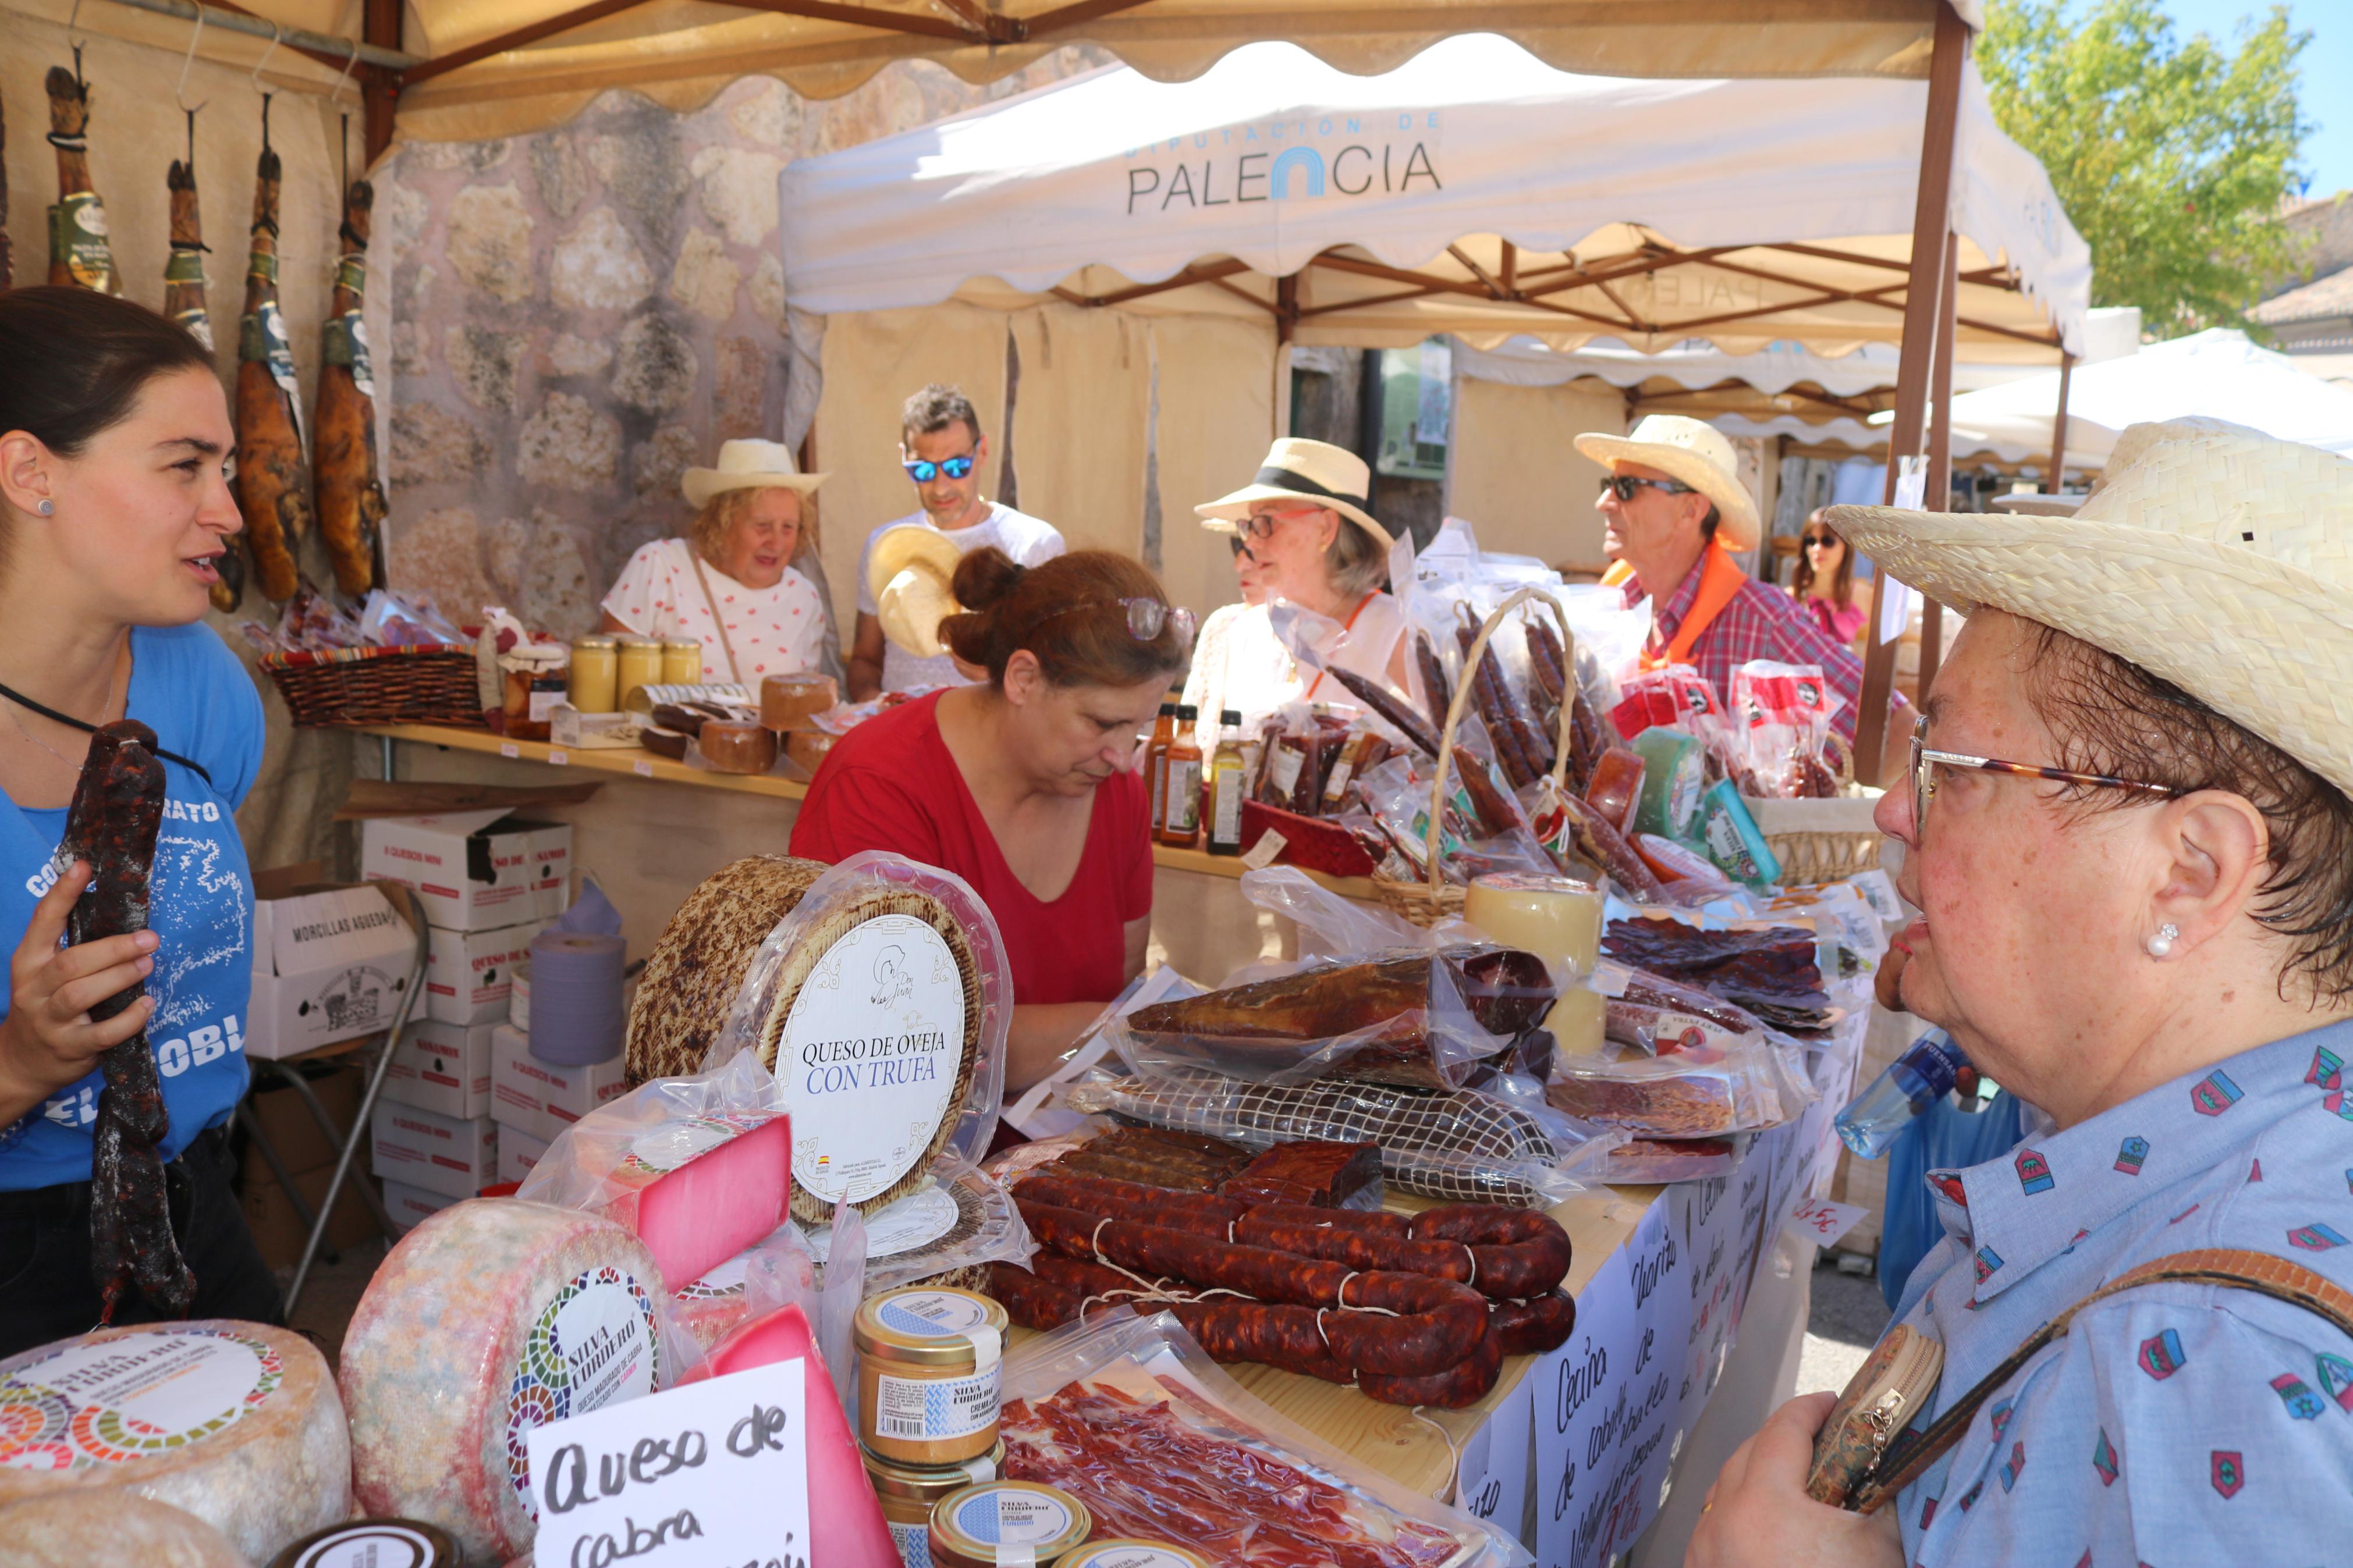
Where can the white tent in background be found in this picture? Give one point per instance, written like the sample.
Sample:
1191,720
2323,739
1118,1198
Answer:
2218,374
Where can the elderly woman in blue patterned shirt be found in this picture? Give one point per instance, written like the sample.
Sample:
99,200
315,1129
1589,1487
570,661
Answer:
2129,833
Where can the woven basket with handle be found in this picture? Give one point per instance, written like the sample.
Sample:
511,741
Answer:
1427,903
425,685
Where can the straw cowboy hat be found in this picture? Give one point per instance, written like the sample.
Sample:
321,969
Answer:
749,465
2212,555
908,572
1695,452
1314,473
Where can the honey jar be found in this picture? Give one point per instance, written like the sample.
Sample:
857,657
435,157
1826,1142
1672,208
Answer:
909,1492
593,685
927,1374
681,663
641,663
1001,1522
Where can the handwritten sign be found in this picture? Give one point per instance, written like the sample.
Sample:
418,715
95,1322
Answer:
712,1475
1823,1220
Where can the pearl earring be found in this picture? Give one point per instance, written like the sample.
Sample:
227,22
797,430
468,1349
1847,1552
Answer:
47,508
2162,942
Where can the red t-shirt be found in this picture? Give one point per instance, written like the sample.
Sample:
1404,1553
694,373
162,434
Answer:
891,784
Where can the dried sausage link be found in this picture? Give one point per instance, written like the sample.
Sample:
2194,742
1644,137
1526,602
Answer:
1534,1327
1463,1385
1203,1211
1520,1252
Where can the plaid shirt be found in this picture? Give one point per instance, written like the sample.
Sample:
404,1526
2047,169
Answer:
1761,622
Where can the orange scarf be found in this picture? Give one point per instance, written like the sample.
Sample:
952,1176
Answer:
1720,579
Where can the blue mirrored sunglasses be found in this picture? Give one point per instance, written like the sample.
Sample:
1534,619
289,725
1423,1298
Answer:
923,472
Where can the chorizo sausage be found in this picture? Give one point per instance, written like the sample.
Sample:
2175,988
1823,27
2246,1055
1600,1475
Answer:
1357,1248
1032,1302
1534,1327
1463,1385
1520,1253
1205,1213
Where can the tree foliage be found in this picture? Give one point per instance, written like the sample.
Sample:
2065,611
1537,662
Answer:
2170,156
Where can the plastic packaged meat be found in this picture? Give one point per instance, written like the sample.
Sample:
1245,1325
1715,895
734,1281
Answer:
1131,1417
1699,1091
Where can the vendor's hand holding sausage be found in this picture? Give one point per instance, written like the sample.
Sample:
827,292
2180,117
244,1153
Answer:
1757,1514
47,1039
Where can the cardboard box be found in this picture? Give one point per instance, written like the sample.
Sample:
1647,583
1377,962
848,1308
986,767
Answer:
444,1069
439,1153
288,1123
542,1098
518,1152
330,962
469,975
410,1205
277,1228
473,870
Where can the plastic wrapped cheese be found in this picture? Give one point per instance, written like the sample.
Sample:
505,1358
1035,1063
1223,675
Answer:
734,747
492,1316
87,1528
234,1422
695,970
786,701
1557,919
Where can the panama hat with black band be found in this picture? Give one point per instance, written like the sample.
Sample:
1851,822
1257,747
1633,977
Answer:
1313,473
1692,453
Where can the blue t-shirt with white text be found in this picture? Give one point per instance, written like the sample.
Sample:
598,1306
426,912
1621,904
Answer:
188,688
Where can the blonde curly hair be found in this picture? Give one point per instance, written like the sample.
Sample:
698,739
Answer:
720,514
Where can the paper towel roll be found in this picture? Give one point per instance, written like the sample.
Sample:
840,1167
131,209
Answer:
576,1018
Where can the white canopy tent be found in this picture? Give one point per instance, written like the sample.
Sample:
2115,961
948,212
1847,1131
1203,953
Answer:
2218,374
1149,246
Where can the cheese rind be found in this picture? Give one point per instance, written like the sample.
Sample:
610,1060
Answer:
79,1528
489,1318
236,1423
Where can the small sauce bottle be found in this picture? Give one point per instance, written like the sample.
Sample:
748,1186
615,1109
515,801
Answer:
1180,810
1156,760
1228,782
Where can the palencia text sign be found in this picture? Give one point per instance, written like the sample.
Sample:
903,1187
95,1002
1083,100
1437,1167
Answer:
712,1475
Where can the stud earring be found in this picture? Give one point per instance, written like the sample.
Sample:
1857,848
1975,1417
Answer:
47,508
2162,942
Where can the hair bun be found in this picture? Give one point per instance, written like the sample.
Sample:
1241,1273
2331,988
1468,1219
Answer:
985,576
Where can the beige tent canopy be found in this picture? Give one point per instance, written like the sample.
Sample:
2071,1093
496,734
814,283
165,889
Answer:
467,69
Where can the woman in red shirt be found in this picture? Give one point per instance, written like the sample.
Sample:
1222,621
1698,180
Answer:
1026,786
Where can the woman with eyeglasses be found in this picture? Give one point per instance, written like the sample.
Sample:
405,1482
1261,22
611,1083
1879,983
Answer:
1024,785
1322,560
2128,836
1824,585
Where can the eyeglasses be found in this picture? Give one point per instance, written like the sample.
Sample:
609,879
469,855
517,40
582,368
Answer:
1623,486
1146,617
923,472
1261,524
1924,783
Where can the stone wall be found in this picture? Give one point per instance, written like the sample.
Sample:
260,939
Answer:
576,316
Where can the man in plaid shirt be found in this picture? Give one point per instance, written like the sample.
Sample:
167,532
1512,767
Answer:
1674,508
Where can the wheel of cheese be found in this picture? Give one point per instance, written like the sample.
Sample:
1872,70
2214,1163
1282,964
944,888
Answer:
490,1318
83,1527
786,700
237,1423
734,747
692,976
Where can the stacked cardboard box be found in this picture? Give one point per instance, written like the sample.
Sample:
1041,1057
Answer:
489,883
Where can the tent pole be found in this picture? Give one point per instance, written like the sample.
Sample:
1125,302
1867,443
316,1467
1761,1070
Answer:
1940,453
1923,301
380,25
2056,479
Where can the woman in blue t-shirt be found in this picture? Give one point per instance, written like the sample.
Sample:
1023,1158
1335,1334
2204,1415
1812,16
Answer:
114,508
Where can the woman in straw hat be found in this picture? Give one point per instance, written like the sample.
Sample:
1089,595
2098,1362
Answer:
2129,837
1322,560
730,584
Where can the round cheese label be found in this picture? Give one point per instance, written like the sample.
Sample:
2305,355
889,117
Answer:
917,1220
869,1056
119,1400
373,1544
593,1344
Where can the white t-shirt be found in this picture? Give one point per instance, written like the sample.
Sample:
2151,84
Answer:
1242,663
774,631
1019,535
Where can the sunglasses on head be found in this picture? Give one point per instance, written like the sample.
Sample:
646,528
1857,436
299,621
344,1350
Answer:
1623,486
923,472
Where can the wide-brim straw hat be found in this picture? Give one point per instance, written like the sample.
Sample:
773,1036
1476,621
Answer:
910,571
748,465
2212,555
1313,473
1695,452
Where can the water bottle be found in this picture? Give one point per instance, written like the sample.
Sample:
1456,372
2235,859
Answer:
1922,1076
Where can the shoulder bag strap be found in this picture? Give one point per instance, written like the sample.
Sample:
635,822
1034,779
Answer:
726,645
1911,1454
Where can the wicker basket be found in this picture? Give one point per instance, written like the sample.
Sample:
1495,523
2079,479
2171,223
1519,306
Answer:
432,685
1820,840
1426,904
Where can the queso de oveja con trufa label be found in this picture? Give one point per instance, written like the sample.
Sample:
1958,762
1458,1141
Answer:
869,1057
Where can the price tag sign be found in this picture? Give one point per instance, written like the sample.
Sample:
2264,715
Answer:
558,759
1822,1221
509,749
1261,854
712,1473
644,770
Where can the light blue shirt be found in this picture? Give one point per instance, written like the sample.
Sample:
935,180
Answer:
2174,1424
188,688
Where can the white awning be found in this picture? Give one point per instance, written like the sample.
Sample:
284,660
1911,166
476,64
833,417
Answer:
1516,197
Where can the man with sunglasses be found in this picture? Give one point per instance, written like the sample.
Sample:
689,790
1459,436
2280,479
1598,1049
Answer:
1673,509
943,450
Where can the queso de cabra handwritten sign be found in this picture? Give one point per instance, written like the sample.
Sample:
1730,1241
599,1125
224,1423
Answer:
712,1475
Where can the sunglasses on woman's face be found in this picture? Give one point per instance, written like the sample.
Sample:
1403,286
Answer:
923,472
1818,540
